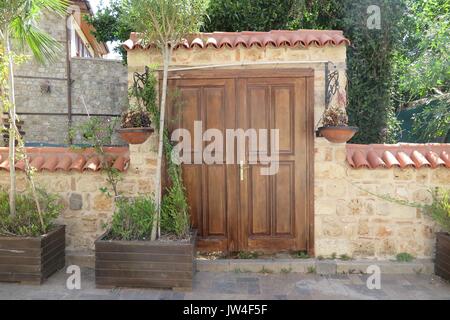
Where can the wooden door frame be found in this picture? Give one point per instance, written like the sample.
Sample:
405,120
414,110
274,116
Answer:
307,73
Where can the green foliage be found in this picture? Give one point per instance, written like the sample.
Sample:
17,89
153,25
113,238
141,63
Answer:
439,209
404,257
133,219
370,69
175,218
165,22
26,221
97,133
175,209
302,255
433,122
345,257
247,15
19,21
113,23
422,62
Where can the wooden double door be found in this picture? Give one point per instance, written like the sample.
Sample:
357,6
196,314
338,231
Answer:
233,205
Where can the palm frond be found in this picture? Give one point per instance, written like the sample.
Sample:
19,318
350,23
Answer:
56,6
44,47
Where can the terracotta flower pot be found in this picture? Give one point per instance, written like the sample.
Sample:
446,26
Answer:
337,134
135,135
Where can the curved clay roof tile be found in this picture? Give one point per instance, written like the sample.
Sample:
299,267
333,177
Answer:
359,159
390,160
211,42
50,163
404,159
434,159
20,165
64,163
419,159
445,156
375,160
92,164
78,163
37,163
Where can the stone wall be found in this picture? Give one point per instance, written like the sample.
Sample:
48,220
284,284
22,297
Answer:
139,58
86,207
349,220
102,83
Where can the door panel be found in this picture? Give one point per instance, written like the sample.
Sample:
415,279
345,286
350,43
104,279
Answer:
210,190
272,206
252,211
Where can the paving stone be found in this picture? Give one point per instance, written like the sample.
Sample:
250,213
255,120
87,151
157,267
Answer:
231,286
326,267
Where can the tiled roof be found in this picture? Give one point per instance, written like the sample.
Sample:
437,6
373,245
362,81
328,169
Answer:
401,155
248,39
66,159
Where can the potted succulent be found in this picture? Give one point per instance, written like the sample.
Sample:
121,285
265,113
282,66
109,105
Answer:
335,126
32,246
135,125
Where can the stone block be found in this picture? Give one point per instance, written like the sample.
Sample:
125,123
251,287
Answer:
75,201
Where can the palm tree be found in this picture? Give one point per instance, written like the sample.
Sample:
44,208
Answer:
18,25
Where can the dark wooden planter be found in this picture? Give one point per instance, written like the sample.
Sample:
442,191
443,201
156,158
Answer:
32,260
135,135
145,264
442,263
337,134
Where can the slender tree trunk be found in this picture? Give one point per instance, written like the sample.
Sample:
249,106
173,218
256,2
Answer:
12,131
167,52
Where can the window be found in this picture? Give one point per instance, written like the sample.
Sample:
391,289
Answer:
80,48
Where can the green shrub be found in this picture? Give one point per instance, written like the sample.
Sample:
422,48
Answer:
301,255
26,220
133,219
404,257
174,208
439,209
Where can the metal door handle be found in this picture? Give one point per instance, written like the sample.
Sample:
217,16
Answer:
241,169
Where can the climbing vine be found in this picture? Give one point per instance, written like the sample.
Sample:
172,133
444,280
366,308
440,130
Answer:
174,205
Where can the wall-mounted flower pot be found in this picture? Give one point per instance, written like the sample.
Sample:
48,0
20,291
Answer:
442,262
31,260
145,264
337,134
135,135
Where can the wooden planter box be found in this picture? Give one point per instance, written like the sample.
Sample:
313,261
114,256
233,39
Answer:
32,260
145,264
442,263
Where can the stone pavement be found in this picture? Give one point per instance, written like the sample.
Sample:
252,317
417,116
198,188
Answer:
245,286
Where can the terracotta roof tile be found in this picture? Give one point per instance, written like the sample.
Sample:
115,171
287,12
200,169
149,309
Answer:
400,155
248,39
66,159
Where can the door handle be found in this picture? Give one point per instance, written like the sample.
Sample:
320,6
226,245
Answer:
241,169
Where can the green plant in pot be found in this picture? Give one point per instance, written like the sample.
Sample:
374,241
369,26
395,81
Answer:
335,126
27,229
135,126
26,237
